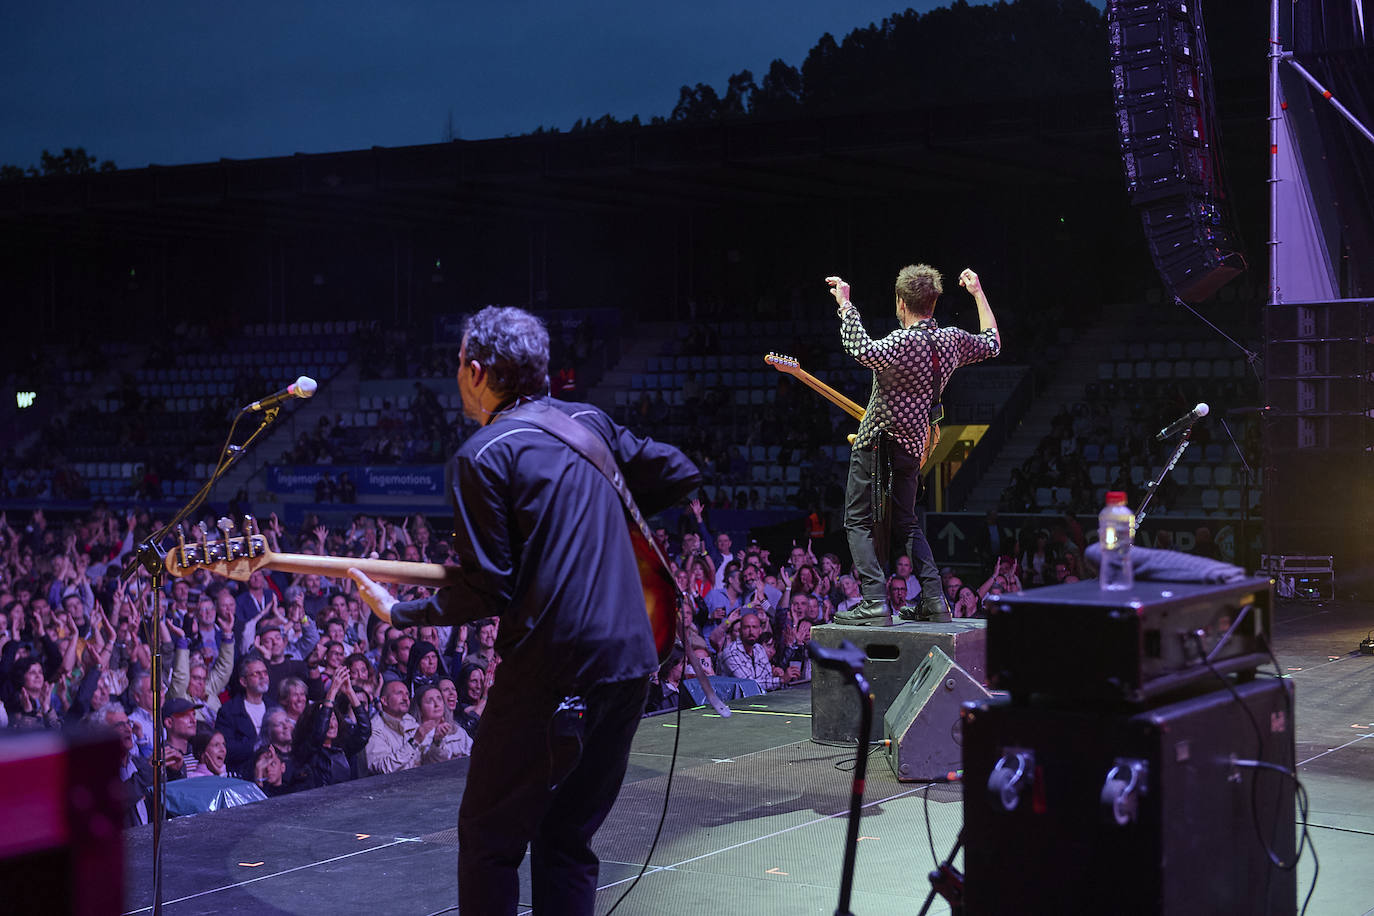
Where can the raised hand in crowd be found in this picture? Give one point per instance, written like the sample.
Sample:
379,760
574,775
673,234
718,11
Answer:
337,678
225,618
321,533
273,532
142,655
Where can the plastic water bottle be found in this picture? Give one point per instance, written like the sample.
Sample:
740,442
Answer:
1115,531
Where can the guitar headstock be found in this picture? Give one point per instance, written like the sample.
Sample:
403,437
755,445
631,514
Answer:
234,557
788,364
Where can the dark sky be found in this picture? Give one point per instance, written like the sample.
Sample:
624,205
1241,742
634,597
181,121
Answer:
169,83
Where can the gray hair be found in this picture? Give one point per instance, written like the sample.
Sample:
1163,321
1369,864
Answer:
513,346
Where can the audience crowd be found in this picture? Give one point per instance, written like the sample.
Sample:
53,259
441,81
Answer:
288,682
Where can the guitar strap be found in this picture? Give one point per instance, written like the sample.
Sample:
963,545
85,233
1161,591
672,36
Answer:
592,447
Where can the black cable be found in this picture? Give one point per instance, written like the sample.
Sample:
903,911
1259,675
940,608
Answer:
1305,838
848,764
930,837
1274,858
672,768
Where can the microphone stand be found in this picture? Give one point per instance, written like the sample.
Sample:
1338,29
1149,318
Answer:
1152,485
150,556
848,660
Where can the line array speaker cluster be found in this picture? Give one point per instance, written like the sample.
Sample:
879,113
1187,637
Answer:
1169,143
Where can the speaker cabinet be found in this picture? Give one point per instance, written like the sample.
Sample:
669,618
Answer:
1170,145
892,655
1073,811
922,725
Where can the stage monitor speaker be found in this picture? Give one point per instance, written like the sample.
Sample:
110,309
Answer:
892,654
922,725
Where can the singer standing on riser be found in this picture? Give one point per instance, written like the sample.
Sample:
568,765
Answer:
910,368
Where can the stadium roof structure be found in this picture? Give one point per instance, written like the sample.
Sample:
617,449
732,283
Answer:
1003,144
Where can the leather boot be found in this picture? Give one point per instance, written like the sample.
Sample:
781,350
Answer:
870,612
934,609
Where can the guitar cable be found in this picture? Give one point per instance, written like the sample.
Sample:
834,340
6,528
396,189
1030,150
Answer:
667,789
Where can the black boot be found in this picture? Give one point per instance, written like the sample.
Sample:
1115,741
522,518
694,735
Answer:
933,609
870,612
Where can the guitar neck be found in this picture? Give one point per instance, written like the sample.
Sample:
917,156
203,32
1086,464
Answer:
432,574
830,394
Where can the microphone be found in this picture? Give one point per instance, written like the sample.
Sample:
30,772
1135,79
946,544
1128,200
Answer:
302,387
1183,422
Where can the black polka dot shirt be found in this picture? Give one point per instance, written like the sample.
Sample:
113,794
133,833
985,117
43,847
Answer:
904,383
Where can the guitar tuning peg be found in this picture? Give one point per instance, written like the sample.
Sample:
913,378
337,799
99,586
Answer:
226,527
181,544
250,531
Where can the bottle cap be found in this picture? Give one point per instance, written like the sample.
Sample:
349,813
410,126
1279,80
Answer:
1116,498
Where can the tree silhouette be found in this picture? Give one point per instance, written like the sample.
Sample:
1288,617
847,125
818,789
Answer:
780,93
739,90
71,161
696,104
951,55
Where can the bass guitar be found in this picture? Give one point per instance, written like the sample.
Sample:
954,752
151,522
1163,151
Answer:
238,556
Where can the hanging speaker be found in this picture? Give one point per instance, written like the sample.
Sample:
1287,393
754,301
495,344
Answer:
1170,147
922,726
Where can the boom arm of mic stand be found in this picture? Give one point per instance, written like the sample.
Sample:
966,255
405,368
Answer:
149,554
1153,485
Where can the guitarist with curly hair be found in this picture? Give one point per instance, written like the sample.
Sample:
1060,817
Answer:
534,523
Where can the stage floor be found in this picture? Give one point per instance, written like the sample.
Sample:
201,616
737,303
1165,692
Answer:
756,821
